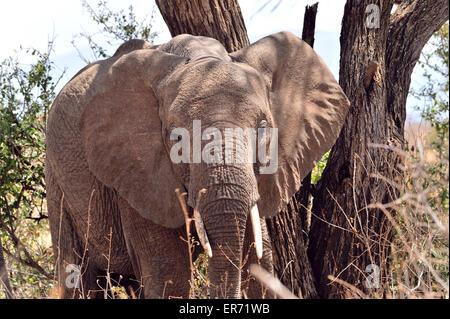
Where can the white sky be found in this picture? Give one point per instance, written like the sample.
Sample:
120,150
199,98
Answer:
32,23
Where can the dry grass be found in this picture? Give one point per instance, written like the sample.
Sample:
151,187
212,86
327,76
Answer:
27,282
418,262
420,251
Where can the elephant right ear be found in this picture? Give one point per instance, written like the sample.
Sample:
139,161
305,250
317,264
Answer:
308,108
122,133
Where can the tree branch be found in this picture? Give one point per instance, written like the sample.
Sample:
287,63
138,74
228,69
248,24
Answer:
411,26
29,261
309,24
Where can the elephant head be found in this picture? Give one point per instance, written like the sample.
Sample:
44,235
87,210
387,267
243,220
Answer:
144,106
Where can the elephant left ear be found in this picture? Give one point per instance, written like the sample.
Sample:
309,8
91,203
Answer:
308,107
122,132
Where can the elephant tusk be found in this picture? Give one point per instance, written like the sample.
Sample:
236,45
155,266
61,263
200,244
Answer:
254,216
200,227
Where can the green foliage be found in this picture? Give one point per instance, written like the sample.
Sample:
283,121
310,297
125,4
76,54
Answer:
26,96
435,111
435,92
317,171
26,93
201,277
116,28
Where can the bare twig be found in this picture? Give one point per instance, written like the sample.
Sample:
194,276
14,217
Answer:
349,286
188,221
272,283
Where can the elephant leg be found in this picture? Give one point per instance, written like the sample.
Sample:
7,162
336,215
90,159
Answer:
251,287
67,263
159,256
75,275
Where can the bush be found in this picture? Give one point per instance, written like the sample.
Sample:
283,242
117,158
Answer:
26,95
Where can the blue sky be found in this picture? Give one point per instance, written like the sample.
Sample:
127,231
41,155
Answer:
32,23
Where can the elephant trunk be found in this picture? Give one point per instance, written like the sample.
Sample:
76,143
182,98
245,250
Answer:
231,192
225,224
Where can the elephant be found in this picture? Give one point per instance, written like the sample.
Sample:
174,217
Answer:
112,167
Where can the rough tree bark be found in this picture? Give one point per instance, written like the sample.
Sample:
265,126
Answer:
219,19
4,278
375,73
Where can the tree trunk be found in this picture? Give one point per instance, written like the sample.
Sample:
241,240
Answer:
219,19
4,278
375,73
309,24
290,261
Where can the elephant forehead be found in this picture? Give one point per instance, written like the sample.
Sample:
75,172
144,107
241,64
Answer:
215,93
214,81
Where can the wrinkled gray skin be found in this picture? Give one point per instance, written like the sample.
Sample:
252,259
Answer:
110,181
